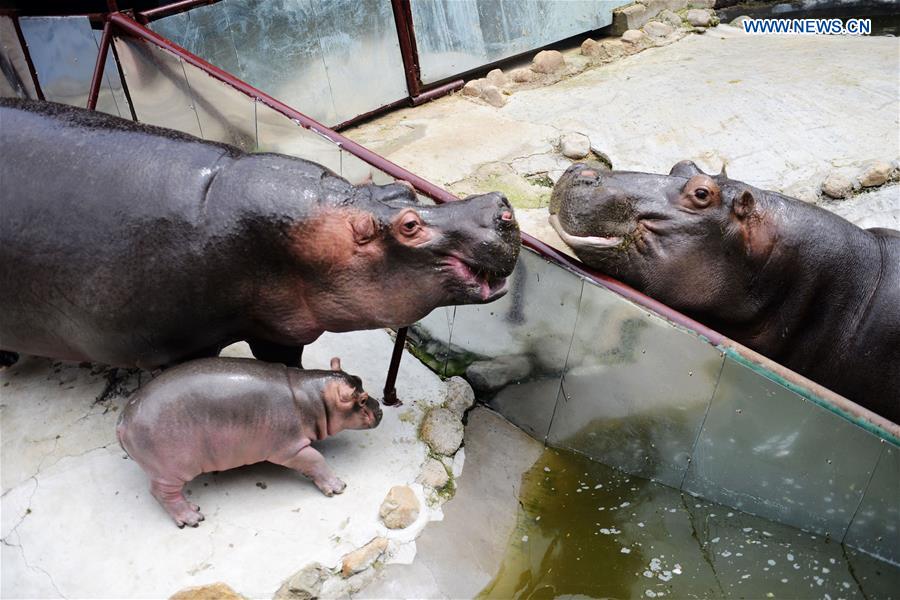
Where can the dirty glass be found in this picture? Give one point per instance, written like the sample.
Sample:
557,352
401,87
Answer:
454,36
225,114
767,451
158,87
15,78
64,52
636,388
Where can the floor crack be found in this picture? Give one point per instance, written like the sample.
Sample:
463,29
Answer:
704,547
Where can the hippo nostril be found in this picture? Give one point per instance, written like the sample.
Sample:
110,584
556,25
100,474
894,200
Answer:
506,215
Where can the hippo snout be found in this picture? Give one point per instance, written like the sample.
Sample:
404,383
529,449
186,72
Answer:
375,409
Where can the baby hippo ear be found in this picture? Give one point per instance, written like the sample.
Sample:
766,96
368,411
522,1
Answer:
743,204
335,364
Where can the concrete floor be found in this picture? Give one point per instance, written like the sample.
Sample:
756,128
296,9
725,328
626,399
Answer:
771,108
78,520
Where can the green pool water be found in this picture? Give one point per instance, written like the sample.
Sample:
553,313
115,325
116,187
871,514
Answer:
585,530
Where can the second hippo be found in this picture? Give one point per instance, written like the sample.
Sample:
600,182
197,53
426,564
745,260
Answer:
216,414
788,279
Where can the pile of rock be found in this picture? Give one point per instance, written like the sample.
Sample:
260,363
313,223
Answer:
548,66
842,184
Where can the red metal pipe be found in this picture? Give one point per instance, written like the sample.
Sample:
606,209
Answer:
408,51
99,66
159,12
31,70
390,387
437,92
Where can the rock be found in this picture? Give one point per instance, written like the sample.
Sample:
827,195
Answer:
399,510
213,591
493,96
603,50
875,173
574,145
305,584
433,474
673,5
702,3
739,21
496,78
633,36
629,17
670,18
698,17
548,61
658,30
473,87
442,431
459,396
362,558
491,375
521,75
837,186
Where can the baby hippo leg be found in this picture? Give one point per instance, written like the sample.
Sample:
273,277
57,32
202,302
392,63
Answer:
172,498
312,464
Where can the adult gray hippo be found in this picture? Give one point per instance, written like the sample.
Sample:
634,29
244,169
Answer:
132,245
788,279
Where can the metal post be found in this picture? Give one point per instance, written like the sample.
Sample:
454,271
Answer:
390,388
407,39
100,66
31,70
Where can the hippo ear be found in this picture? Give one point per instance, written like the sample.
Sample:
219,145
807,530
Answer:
686,169
363,226
743,204
335,364
722,173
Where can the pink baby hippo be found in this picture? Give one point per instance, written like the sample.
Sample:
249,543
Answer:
216,414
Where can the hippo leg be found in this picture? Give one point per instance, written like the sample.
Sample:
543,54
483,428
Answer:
312,464
8,359
170,496
276,353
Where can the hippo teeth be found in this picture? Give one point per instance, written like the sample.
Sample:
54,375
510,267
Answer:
489,283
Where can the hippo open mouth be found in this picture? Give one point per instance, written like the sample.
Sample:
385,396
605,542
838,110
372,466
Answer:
488,284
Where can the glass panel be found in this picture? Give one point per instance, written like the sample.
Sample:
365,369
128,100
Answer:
516,347
203,31
453,36
876,526
767,451
158,87
64,51
16,78
276,133
225,114
430,339
279,52
357,171
637,389
361,54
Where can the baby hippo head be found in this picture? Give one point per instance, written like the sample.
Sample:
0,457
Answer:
347,405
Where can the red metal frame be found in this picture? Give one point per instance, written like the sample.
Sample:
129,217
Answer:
34,78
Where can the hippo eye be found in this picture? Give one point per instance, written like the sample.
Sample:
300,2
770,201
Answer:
410,225
701,193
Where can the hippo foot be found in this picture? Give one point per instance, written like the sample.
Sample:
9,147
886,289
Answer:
330,486
172,499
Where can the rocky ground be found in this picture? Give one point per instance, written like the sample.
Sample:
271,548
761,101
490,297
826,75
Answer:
674,87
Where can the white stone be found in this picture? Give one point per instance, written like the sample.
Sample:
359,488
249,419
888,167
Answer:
460,396
875,173
442,431
496,78
521,75
673,19
548,61
433,474
658,30
473,87
837,186
400,508
574,145
493,96
362,558
698,17
633,36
